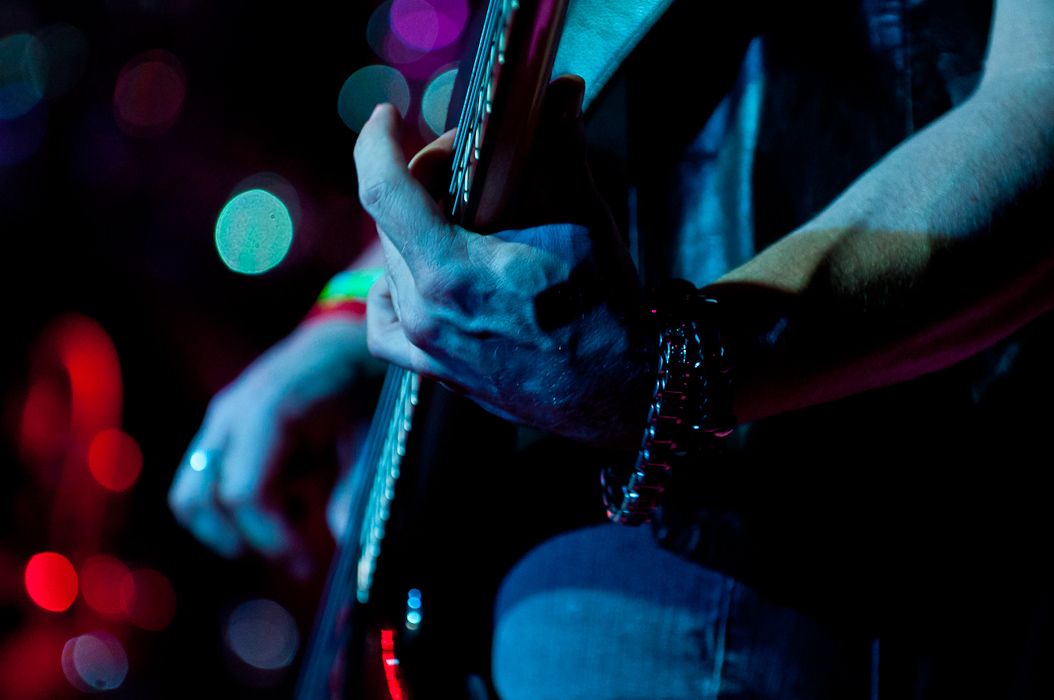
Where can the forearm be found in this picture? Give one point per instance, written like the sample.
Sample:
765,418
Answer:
923,261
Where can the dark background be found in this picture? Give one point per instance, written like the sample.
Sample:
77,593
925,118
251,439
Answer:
119,228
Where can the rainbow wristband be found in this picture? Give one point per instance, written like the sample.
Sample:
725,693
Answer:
345,294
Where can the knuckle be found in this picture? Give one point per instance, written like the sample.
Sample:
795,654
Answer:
378,197
372,193
421,329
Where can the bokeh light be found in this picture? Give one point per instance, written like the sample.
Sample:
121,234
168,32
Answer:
23,62
148,97
428,24
115,459
253,232
367,88
51,581
276,185
94,662
28,661
384,42
101,579
148,599
436,100
45,425
20,137
66,53
263,634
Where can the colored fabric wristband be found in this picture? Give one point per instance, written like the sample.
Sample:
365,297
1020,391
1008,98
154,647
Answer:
345,294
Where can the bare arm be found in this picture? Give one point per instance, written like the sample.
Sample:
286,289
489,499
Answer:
933,254
924,260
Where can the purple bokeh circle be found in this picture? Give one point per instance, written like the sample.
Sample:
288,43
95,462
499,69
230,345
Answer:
428,24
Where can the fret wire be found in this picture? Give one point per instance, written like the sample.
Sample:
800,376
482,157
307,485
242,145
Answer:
477,104
488,28
383,490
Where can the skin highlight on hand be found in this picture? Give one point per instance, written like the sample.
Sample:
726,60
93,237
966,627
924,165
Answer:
251,428
460,307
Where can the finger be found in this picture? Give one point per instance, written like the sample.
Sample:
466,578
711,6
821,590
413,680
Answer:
387,338
431,166
399,204
217,532
567,92
250,460
191,497
267,531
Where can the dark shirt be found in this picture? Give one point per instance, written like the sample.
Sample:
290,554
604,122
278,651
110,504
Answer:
917,512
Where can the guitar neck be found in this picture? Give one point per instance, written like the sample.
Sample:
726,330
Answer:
513,63
502,105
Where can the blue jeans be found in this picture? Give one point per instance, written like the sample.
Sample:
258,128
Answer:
603,613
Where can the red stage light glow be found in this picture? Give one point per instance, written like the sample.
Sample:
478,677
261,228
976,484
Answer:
28,660
85,350
149,94
51,581
115,459
45,426
392,673
101,580
148,599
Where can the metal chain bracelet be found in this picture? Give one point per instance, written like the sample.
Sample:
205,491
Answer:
690,414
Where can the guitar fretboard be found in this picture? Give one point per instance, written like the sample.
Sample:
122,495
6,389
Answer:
479,101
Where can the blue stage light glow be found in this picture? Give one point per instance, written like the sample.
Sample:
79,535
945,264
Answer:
263,634
436,100
368,87
23,64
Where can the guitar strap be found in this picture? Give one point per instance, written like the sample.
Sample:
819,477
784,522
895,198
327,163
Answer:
600,34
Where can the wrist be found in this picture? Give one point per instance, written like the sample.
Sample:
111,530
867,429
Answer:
690,409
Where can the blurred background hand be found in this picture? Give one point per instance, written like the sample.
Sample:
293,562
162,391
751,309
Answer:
303,392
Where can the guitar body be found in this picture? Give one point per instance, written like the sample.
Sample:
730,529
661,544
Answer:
407,610
445,540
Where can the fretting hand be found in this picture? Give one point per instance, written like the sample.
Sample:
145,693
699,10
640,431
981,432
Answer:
542,325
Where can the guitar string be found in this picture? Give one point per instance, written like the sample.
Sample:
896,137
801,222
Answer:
336,595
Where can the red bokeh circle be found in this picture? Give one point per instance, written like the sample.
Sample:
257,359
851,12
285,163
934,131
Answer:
148,599
115,459
101,580
148,97
51,581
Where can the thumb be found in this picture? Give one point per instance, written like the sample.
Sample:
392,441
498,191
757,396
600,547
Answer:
432,165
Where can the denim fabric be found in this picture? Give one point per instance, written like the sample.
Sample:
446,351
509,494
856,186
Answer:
602,613
825,529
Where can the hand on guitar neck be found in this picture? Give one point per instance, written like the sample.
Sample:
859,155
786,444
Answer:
542,323
538,324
